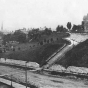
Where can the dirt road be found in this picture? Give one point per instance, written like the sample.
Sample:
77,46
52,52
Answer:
42,81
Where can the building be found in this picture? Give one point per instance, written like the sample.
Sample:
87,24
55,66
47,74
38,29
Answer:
85,23
24,30
86,26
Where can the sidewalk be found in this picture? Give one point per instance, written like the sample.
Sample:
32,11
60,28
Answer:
14,84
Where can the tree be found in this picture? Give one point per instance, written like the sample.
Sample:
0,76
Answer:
69,25
44,40
6,38
58,28
0,51
77,28
51,39
47,31
41,43
47,41
74,28
34,34
20,36
61,29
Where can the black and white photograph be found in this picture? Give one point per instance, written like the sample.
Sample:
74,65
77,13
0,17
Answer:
43,43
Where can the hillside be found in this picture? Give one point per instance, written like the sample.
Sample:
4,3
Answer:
78,56
54,37
37,54
35,51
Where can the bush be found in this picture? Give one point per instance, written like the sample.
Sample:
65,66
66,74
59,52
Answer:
78,56
41,43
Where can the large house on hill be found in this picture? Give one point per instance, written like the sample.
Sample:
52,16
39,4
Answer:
85,23
86,26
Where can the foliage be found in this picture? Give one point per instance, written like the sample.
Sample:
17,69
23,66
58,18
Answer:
34,34
51,39
7,38
77,28
61,29
45,40
20,36
17,36
41,43
47,31
69,25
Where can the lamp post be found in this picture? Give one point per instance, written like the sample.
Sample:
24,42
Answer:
26,73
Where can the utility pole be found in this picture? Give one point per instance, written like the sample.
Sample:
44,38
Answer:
26,73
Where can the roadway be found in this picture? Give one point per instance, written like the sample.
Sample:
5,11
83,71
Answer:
41,81
45,81
60,54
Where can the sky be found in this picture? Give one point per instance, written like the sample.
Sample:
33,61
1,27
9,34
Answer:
15,14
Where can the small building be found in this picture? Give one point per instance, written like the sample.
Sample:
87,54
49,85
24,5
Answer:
86,26
85,23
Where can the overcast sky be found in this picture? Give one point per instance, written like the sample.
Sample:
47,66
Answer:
39,13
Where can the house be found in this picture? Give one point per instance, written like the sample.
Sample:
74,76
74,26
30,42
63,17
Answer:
86,26
85,23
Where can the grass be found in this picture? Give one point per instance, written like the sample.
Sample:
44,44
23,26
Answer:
38,54
78,56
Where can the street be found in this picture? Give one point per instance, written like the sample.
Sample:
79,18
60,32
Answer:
42,81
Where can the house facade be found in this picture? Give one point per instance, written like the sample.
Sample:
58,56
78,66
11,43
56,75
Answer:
85,23
85,26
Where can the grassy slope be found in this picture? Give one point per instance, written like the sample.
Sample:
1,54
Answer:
38,54
78,56
53,35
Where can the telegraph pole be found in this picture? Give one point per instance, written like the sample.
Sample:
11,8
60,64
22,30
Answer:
26,73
